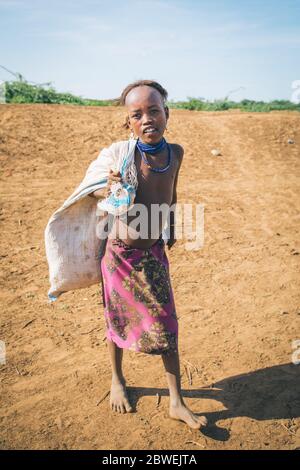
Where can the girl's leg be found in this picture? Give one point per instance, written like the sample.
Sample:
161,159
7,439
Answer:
116,356
178,409
118,396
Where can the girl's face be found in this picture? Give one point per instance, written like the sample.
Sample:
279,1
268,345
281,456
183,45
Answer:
147,115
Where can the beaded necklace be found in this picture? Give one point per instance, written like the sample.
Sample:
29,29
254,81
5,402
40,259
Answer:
152,150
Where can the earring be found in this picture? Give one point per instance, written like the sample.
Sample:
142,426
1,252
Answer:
131,135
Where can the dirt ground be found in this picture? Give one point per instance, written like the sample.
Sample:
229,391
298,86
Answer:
237,298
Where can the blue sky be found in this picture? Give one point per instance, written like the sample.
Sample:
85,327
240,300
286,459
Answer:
203,48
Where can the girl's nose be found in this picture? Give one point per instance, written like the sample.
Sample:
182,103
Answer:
147,119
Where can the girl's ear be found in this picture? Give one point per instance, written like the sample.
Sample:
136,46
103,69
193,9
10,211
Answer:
126,124
167,112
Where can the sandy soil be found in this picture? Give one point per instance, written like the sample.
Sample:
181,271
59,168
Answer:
237,298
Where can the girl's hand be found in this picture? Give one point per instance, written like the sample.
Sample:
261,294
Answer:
113,177
171,242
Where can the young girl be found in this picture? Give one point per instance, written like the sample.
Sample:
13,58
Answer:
138,299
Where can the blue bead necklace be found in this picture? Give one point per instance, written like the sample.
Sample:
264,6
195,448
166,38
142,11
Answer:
152,150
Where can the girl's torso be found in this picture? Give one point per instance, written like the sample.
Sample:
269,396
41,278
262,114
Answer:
154,189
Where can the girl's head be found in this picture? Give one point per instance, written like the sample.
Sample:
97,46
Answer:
148,113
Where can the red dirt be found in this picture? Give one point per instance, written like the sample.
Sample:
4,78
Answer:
237,298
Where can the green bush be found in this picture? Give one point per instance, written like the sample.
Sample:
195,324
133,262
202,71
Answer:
23,92
195,104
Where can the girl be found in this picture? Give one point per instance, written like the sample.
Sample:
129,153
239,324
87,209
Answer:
137,294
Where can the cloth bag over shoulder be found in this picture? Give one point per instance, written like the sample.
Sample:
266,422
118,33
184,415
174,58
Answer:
74,235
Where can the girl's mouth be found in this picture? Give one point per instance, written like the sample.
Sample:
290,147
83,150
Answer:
150,130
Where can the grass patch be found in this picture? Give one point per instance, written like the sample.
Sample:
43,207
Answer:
23,92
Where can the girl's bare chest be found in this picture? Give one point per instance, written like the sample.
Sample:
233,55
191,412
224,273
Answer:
155,186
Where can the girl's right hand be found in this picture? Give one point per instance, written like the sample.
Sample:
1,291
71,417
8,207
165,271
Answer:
113,177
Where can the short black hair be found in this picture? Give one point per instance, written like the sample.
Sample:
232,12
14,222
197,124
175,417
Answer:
151,83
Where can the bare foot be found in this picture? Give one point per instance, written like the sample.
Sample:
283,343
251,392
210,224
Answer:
182,413
118,397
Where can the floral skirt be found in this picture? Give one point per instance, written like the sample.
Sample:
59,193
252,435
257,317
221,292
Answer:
139,306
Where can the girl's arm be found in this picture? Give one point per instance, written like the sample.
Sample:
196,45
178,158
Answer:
179,154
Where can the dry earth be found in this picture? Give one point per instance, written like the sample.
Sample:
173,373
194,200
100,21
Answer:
237,298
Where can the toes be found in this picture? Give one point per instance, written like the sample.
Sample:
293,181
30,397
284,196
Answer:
127,405
115,407
123,408
202,420
194,423
128,408
190,421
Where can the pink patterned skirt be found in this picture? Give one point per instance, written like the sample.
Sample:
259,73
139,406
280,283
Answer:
138,299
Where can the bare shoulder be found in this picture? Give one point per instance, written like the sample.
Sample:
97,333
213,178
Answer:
178,151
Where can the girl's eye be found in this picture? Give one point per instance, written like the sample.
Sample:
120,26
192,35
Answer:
136,116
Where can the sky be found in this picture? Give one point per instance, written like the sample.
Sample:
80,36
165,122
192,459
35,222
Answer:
195,48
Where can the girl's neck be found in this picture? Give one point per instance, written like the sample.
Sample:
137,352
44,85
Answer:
152,149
